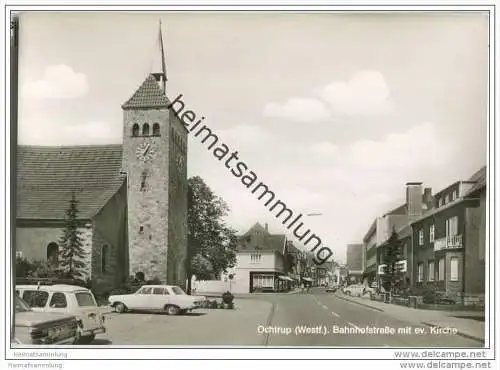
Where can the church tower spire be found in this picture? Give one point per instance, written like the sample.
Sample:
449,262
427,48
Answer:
160,72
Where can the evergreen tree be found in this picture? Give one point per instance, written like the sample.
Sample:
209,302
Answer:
392,256
71,244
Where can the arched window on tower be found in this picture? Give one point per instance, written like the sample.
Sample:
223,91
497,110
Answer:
53,254
135,130
156,129
104,258
145,130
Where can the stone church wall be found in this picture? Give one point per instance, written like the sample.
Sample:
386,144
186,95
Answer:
33,241
110,230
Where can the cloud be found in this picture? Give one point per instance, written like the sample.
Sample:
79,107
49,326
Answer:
74,134
244,134
299,109
366,93
58,82
419,146
324,149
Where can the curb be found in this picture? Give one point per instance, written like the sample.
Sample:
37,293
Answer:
359,303
459,333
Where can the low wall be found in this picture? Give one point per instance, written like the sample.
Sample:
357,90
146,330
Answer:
218,286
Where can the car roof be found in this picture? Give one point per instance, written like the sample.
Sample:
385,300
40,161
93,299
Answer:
159,286
55,287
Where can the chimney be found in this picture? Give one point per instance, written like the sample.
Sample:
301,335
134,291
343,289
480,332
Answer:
414,200
428,198
267,227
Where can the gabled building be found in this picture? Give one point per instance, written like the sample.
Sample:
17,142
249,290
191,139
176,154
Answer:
449,242
261,261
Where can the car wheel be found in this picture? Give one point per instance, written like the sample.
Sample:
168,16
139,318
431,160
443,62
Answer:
172,310
120,307
348,292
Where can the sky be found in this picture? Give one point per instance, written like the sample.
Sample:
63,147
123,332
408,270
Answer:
335,112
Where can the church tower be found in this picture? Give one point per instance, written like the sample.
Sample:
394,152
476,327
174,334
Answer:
154,160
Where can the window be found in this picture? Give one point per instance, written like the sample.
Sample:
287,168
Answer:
85,299
178,290
156,129
421,237
19,254
441,202
263,281
104,258
431,234
255,257
452,226
430,271
144,176
53,254
36,298
159,291
420,270
441,269
141,229
145,130
58,300
145,290
21,306
135,130
454,195
454,269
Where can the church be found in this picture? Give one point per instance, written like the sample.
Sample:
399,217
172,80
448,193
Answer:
132,198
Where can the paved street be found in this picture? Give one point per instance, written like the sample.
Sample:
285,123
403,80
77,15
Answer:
283,315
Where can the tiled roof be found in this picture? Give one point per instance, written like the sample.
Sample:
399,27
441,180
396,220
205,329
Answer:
148,95
480,180
269,243
47,176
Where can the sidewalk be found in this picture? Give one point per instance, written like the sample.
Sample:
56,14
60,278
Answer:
468,328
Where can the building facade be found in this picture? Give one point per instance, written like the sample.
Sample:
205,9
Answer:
261,261
449,242
354,261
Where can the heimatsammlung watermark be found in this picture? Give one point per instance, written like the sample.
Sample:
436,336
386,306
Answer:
249,178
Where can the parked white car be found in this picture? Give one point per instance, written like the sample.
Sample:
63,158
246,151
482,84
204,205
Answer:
355,290
166,298
68,299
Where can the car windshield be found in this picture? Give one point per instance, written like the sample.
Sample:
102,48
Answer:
85,299
22,306
178,291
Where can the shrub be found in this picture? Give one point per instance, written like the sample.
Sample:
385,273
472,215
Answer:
227,297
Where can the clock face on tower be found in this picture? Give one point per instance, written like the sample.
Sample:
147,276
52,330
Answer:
144,152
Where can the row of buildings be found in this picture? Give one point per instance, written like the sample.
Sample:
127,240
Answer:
443,238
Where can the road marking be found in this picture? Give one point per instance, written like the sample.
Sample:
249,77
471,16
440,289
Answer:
325,307
335,314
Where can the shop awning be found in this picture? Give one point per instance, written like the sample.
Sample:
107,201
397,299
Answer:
307,279
285,278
